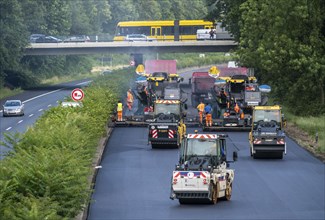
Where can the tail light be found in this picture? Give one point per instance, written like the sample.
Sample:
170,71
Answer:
257,141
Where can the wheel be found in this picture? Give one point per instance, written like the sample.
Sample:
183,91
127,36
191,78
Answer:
228,191
255,156
153,146
183,201
279,155
214,197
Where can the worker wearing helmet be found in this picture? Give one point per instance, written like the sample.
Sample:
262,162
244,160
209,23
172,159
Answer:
200,108
129,99
208,115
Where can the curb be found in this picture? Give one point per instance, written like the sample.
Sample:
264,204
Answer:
83,215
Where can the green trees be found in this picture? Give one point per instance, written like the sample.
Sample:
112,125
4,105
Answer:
284,41
20,19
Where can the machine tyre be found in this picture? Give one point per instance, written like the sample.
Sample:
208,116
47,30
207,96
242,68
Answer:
215,190
184,201
228,191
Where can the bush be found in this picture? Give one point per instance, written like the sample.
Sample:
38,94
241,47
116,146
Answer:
45,176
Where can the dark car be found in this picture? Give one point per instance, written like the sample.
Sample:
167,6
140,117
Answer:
34,37
48,39
79,38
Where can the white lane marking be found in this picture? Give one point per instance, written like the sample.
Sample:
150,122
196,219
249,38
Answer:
30,115
42,95
20,121
40,110
0,110
83,83
53,92
8,128
49,105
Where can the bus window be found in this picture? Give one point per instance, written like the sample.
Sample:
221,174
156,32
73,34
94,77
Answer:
167,30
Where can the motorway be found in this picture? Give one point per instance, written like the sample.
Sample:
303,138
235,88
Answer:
134,183
36,102
135,180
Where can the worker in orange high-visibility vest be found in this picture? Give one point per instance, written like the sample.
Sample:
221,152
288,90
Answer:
208,115
129,99
200,108
119,111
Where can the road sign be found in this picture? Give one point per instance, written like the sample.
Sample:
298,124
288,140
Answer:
77,95
132,63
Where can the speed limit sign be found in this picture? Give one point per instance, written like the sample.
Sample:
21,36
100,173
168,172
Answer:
77,95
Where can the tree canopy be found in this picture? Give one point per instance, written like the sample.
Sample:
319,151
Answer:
20,19
284,42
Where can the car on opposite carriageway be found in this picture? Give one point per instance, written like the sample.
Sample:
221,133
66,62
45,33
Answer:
13,107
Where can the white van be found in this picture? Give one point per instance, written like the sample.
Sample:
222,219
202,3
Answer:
204,34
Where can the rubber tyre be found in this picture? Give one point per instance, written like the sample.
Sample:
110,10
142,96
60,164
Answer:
228,192
184,201
215,190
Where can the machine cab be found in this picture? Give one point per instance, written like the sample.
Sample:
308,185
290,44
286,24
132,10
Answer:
269,116
202,151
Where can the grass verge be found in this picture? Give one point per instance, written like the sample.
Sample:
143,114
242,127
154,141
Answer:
313,126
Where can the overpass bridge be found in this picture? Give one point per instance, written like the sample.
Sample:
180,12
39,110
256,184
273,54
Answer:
129,47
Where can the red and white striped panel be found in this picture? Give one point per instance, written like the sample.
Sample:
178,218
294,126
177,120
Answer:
155,133
171,133
167,101
257,141
204,136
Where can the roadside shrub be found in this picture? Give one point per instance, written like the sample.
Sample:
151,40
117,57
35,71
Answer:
45,176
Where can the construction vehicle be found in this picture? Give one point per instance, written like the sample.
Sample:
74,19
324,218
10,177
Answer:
201,84
156,78
234,95
202,174
159,75
267,137
167,127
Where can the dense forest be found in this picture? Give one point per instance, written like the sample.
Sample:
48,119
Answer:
21,18
284,42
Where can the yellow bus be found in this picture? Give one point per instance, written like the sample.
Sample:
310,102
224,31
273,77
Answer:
162,30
